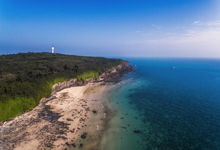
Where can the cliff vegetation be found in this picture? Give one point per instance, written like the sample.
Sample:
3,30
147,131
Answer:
27,77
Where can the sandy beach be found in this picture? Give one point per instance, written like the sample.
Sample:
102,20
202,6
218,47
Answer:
66,120
75,116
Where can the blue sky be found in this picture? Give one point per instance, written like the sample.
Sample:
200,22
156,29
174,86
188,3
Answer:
138,28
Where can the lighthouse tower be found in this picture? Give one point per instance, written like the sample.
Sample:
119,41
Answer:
52,50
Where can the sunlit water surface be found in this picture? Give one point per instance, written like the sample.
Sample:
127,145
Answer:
167,104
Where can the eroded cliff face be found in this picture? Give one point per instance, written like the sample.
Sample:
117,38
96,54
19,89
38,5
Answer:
52,124
112,75
62,85
115,74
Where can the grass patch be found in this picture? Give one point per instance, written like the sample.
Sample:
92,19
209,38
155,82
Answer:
16,106
25,78
87,75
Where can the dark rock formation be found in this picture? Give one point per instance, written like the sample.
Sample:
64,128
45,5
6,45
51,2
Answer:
84,135
137,131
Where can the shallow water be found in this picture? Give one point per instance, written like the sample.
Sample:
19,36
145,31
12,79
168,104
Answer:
167,104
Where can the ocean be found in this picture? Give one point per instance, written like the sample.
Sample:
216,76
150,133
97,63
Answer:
166,104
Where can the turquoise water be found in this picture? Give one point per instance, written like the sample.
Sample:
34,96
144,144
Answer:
167,104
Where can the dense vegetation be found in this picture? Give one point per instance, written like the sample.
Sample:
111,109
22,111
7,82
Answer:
86,75
27,77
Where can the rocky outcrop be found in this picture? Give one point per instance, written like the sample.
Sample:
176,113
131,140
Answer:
116,73
62,85
112,75
57,120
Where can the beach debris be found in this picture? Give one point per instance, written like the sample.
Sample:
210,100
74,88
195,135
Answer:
62,137
97,127
94,111
82,119
69,119
84,135
73,145
67,144
80,145
73,130
87,109
49,145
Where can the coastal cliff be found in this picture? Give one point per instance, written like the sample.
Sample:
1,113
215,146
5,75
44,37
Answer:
117,72
71,114
27,77
112,75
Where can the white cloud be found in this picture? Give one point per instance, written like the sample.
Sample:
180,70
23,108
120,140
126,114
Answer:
194,42
196,22
207,24
214,24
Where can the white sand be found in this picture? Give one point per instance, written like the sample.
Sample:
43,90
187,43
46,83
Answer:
80,109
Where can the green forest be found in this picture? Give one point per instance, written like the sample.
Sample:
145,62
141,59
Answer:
27,77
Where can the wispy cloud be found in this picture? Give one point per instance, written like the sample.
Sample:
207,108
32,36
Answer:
197,22
195,41
215,23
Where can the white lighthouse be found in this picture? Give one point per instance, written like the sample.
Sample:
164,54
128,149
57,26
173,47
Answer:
52,50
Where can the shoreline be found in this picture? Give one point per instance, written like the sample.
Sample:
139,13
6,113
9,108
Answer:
76,113
66,120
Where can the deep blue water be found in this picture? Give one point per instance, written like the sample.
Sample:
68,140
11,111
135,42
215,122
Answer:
173,103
